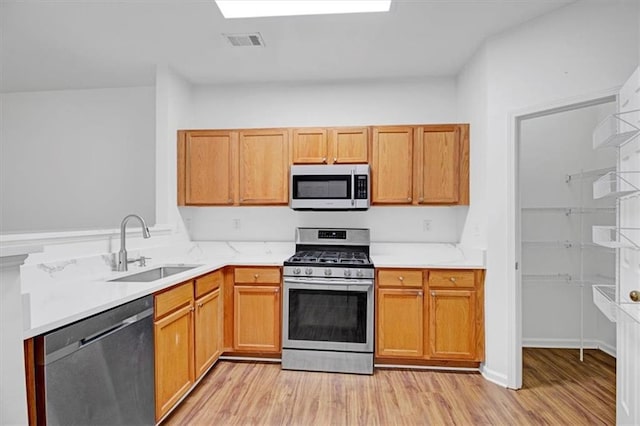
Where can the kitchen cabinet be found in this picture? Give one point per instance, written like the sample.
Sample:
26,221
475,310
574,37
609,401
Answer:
187,331
400,300
433,316
173,333
337,145
263,166
455,325
441,164
207,167
208,321
257,310
420,164
392,165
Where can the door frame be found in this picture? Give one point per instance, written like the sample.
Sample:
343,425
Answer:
514,243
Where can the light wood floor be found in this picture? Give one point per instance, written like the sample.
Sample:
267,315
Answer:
557,389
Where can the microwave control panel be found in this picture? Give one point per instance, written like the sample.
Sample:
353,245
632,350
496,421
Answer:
362,187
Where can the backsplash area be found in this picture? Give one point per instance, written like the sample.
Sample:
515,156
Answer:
387,224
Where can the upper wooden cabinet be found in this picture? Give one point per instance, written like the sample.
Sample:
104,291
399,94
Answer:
441,164
337,145
263,166
206,167
421,164
391,168
415,164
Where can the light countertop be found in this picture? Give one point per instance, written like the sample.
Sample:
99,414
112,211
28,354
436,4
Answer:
59,293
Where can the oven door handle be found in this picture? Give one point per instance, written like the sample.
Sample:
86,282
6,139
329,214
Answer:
329,284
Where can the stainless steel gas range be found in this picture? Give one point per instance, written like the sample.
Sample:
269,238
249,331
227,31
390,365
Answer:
329,302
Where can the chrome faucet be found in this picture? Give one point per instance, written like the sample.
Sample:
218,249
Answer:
122,254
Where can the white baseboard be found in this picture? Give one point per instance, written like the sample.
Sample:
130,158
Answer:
493,376
569,344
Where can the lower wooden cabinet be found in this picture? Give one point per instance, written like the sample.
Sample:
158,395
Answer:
452,329
187,331
173,360
400,323
256,318
439,318
257,309
208,326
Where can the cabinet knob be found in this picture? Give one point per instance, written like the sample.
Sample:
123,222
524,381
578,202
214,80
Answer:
324,160
433,293
335,159
634,295
401,278
421,199
419,294
277,290
452,279
256,276
409,199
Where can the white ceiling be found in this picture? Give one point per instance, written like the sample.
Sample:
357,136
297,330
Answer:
63,44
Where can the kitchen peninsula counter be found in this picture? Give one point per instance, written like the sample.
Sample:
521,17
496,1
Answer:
61,292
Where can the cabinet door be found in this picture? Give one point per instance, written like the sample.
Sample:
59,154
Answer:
257,318
208,167
391,168
452,324
310,146
208,331
400,323
349,145
173,358
264,166
442,165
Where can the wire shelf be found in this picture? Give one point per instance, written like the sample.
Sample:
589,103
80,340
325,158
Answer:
604,297
614,184
616,130
614,237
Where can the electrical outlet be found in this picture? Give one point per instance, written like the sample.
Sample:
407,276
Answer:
236,223
426,225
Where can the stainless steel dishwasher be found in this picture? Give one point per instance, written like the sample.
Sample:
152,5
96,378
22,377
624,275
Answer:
100,370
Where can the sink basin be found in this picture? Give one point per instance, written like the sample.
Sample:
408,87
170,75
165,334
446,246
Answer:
154,274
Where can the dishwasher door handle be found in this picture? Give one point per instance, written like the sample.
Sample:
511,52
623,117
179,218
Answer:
79,344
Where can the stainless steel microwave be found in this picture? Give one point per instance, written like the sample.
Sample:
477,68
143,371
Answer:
330,187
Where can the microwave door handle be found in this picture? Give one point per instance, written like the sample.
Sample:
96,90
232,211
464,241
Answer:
353,187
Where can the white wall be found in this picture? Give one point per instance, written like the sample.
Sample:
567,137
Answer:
412,101
557,312
76,159
584,48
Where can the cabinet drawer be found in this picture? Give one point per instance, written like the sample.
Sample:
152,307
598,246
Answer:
400,278
452,278
173,299
257,275
208,283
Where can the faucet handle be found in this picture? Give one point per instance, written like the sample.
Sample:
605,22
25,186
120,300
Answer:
142,261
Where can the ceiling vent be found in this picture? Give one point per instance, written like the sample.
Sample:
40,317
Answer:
245,40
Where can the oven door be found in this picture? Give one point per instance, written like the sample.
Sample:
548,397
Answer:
328,314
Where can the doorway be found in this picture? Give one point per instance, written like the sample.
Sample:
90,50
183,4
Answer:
557,263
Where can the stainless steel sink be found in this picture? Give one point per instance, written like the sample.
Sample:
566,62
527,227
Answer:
154,274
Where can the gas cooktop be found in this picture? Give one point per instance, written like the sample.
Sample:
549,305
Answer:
333,257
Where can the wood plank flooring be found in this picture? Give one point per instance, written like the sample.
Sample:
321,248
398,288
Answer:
557,389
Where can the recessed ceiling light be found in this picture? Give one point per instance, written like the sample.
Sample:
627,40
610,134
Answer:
261,8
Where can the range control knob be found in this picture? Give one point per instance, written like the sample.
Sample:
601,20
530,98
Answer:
327,271
347,272
308,271
296,271
359,273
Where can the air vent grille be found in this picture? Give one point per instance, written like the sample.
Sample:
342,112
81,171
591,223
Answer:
245,40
